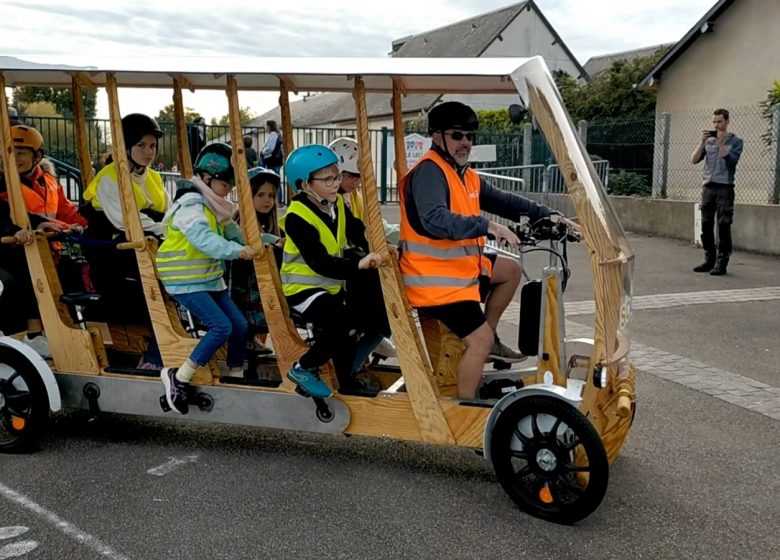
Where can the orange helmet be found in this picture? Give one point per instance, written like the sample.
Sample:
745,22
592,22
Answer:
26,137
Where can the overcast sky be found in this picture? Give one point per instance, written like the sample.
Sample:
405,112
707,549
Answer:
86,28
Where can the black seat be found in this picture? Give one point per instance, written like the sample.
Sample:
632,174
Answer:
80,298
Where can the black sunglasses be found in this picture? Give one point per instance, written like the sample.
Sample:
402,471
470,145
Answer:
457,135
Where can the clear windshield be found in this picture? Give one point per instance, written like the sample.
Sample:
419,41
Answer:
613,265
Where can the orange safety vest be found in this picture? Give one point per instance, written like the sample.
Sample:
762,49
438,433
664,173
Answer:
441,271
43,199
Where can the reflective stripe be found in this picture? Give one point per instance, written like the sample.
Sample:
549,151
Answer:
320,281
185,264
426,281
170,254
192,271
448,253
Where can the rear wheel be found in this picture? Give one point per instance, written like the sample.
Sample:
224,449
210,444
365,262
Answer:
24,406
550,459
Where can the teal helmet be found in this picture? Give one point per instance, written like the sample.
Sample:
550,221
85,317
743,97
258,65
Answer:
304,161
259,175
214,159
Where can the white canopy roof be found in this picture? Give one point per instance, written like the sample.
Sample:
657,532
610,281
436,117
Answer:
418,75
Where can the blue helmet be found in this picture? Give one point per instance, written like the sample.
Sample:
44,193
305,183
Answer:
304,161
214,159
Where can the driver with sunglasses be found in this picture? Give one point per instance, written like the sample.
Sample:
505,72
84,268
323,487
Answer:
445,268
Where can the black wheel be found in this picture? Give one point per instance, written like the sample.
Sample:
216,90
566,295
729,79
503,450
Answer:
549,459
24,405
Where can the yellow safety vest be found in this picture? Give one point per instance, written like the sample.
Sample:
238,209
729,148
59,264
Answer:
180,263
298,276
358,206
154,186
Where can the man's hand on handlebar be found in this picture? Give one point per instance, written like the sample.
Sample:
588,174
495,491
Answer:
503,235
247,253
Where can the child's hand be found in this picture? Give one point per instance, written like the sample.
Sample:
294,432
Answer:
371,260
50,227
24,236
247,253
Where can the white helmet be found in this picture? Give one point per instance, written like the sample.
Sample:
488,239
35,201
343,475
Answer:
347,150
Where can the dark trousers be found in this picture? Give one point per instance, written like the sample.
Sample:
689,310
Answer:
717,206
338,320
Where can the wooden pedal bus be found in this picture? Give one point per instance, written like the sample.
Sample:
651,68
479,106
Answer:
550,439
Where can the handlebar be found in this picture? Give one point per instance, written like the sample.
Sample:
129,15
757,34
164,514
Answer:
551,228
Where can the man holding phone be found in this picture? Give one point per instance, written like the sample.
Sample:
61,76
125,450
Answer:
720,150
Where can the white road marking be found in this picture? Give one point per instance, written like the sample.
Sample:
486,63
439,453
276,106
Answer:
61,525
15,550
12,531
172,464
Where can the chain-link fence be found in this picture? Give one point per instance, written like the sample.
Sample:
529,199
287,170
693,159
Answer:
678,133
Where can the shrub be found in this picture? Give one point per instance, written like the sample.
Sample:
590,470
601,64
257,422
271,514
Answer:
626,183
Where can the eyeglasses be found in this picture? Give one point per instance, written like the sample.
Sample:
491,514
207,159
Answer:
457,135
350,174
329,181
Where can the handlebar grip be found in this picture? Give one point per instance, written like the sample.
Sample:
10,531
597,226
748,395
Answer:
624,406
9,240
127,245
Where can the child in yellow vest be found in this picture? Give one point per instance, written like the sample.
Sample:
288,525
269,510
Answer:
316,269
201,234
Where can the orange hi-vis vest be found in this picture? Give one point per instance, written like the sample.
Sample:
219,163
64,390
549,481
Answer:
441,271
42,200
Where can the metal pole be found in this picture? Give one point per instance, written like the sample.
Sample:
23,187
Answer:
383,170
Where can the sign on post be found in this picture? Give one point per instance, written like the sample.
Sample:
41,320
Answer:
416,146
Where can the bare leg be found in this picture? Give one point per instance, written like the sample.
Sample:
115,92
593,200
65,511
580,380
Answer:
503,285
477,345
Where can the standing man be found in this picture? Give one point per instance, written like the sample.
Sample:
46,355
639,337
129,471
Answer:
720,150
444,267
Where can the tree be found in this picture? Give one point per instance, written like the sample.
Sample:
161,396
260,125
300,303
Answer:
60,98
167,115
220,126
767,111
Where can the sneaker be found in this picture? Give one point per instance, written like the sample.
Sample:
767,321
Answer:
386,349
309,382
40,344
175,390
502,352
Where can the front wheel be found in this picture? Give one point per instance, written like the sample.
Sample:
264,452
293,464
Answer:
24,406
549,459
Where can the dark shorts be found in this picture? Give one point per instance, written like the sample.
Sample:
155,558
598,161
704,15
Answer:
461,317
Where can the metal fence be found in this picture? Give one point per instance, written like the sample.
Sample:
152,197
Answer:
678,133
655,148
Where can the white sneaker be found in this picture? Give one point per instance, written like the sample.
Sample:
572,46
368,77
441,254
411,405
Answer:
40,344
386,349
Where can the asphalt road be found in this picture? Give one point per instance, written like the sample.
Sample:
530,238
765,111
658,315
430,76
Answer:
698,477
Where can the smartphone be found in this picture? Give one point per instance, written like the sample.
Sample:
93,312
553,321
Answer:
713,133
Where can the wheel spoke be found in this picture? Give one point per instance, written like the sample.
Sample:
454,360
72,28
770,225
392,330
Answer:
10,380
571,467
522,437
522,473
519,454
571,445
554,430
571,486
18,401
535,426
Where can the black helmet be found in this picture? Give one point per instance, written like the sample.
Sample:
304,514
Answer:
136,125
452,114
214,159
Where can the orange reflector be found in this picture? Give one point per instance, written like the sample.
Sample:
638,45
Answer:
545,495
18,424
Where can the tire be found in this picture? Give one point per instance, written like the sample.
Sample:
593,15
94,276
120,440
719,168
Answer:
549,459
24,404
